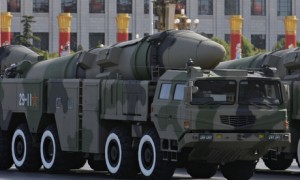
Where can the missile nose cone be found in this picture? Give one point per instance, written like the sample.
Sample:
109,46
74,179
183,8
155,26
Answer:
209,54
189,45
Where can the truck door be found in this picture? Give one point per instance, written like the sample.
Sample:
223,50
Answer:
167,108
160,105
176,107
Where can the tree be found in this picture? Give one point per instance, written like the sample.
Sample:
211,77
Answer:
46,55
79,47
26,38
53,55
248,49
281,44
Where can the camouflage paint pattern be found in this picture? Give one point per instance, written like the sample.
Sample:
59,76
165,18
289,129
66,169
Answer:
135,59
228,142
89,93
287,63
22,95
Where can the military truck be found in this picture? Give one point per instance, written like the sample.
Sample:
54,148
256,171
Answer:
287,63
146,105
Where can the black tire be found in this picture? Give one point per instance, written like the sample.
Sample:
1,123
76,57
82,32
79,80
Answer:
150,158
120,158
5,152
53,159
97,165
238,170
280,164
25,156
200,169
298,154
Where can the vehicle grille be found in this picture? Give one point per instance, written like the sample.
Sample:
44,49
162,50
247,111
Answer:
238,121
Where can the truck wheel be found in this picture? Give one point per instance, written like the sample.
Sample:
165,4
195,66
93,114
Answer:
201,169
238,170
280,164
53,159
25,156
97,165
298,154
120,158
150,158
5,152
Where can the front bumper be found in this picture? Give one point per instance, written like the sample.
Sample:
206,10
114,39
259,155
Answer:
227,147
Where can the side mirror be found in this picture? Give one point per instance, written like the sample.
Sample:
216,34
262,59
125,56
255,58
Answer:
188,94
286,94
195,89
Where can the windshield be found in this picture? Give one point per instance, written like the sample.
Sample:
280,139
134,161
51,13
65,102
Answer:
260,92
214,92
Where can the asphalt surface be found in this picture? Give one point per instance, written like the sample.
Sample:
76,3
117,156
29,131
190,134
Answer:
262,173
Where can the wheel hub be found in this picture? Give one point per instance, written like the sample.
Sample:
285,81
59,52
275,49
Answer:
48,149
19,148
147,155
113,153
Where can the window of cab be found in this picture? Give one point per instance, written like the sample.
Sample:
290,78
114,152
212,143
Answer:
179,92
260,92
214,92
165,91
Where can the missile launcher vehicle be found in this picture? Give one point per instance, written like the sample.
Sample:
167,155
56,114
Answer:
287,64
146,105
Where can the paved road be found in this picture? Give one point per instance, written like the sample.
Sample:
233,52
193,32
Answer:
262,173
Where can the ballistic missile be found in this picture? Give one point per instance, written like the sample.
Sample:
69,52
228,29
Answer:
286,62
138,59
13,54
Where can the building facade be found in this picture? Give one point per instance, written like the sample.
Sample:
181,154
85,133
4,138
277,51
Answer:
94,23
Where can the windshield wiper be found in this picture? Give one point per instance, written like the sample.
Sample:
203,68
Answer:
261,103
267,104
207,103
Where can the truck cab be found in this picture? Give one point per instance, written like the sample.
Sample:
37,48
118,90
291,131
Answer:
229,118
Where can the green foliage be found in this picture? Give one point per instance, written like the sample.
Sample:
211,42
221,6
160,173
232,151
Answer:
46,55
79,47
53,55
279,45
224,44
258,51
248,49
40,52
27,36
